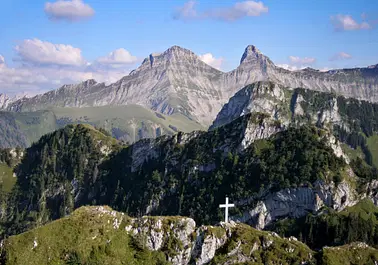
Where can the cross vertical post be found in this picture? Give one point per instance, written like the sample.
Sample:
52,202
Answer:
226,206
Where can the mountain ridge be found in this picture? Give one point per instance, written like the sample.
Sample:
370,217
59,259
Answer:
178,81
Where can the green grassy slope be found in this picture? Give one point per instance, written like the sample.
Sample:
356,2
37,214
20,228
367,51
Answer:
372,143
129,119
170,176
35,124
89,236
129,123
7,180
22,129
357,253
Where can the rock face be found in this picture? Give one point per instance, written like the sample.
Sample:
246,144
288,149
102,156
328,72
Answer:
298,202
263,97
285,105
177,81
4,101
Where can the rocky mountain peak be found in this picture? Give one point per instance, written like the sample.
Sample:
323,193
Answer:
178,50
89,82
373,66
174,53
4,100
251,52
85,84
308,69
3,96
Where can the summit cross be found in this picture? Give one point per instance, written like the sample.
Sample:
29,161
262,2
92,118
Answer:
226,206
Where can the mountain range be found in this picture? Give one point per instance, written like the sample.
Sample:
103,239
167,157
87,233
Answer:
178,81
296,152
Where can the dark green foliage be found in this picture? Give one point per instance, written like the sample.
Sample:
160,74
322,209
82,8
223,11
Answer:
363,170
353,254
358,223
104,131
354,139
192,179
359,118
67,169
60,163
362,115
314,100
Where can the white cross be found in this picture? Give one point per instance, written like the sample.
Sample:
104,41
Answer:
227,205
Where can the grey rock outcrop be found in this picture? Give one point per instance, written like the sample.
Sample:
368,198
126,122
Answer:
4,101
297,202
184,243
284,104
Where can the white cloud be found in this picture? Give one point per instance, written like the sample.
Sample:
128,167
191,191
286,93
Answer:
289,67
239,10
304,61
209,59
298,63
340,56
346,22
43,73
325,69
33,79
71,10
119,57
297,68
42,52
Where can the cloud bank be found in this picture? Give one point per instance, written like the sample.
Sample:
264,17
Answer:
36,51
45,66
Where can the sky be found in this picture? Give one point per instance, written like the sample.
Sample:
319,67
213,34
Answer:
45,44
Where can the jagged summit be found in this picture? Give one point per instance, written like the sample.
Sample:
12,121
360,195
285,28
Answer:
309,69
84,84
250,52
373,66
178,49
174,53
4,100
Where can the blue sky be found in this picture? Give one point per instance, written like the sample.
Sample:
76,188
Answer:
47,43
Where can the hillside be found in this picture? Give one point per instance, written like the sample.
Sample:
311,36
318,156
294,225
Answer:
100,235
287,158
278,177
127,123
354,224
181,174
353,122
